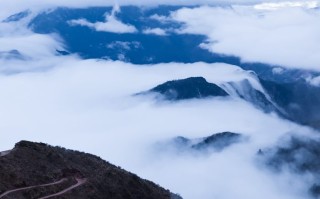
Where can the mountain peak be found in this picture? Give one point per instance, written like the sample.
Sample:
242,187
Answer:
189,88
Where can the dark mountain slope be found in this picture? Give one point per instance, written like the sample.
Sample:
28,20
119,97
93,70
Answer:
298,154
218,141
297,101
189,88
214,143
300,100
199,88
30,164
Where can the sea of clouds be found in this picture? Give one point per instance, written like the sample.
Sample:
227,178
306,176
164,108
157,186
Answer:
89,105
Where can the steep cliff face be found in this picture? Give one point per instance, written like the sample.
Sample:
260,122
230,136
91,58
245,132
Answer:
37,170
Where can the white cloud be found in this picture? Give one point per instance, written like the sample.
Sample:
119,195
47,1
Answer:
161,18
315,81
44,45
286,37
112,24
90,100
15,6
124,45
155,31
286,4
58,99
39,49
277,70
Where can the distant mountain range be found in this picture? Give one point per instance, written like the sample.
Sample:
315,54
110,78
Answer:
298,154
285,99
288,88
214,143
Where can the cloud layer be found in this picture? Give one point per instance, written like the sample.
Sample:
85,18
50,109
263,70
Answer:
287,37
89,105
155,31
111,24
15,6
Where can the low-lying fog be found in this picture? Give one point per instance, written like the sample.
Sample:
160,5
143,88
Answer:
90,106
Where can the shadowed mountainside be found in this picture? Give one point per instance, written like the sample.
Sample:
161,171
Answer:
297,154
301,101
286,99
214,143
55,171
189,88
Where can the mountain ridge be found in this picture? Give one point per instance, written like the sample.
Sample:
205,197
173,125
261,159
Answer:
75,174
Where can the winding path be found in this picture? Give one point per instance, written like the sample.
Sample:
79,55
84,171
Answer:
79,183
31,187
3,153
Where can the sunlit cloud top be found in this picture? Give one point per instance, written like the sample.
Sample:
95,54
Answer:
287,4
